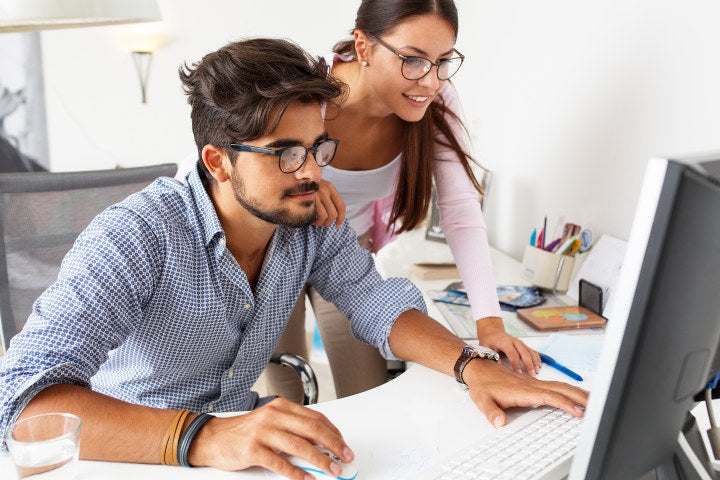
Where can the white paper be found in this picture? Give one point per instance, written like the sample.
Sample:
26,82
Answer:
404,462
573,352
602,267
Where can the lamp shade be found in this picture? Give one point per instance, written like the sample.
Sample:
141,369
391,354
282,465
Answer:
27,15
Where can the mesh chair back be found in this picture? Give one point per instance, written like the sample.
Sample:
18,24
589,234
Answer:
41,215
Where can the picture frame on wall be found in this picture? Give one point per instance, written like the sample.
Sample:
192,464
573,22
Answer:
23,124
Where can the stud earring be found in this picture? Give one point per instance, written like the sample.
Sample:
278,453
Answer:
363,63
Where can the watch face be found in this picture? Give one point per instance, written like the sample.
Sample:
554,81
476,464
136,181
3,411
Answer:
469,351
485,352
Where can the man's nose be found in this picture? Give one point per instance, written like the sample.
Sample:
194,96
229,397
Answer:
309,170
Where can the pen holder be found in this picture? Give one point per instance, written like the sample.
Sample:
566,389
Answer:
547,270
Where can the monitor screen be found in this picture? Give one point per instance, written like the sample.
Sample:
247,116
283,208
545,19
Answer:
663,326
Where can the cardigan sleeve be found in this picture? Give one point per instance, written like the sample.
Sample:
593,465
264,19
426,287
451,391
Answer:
462,220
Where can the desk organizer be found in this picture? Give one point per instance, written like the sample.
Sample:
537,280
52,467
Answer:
547,270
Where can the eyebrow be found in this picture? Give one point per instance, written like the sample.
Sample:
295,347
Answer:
292,142
422,52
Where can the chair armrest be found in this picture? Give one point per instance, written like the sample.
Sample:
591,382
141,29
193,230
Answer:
303,370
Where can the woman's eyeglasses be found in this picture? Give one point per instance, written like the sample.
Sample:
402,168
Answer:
291,159
415,68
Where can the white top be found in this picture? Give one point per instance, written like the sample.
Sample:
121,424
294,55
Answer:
360,188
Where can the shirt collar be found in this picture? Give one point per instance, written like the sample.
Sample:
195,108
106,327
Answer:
209,221
211,224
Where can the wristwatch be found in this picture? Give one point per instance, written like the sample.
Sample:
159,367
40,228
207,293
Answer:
468,353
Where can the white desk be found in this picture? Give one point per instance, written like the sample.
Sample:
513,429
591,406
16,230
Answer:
419,408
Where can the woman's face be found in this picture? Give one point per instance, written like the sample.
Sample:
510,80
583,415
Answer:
428,36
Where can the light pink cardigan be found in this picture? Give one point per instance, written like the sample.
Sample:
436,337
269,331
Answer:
461,220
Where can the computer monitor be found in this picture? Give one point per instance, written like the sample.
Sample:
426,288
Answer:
663,329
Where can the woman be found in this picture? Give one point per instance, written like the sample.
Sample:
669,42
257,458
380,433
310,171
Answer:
399,129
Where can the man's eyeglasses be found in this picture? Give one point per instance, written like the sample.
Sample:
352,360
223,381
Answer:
415,68
291,159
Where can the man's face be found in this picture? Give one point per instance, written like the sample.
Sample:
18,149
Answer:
269,194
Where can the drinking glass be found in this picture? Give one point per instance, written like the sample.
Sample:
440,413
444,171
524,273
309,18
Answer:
45,446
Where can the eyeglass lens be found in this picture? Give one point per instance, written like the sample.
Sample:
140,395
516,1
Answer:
292,158
414,68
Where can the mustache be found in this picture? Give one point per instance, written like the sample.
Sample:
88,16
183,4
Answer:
302,188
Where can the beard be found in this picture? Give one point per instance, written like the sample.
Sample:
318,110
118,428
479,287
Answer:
278,216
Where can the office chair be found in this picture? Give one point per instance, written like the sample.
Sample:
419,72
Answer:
41,215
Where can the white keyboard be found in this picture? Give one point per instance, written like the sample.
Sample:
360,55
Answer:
538,445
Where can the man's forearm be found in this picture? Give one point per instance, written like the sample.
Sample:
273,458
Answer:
418,338
112,430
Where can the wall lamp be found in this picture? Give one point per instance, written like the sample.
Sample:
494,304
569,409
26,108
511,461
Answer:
30,15
142,46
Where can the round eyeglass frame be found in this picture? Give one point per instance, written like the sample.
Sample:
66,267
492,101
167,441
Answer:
279,152
404,58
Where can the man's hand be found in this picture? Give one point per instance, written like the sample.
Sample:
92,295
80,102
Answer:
254,439
494,388
329,206
491,334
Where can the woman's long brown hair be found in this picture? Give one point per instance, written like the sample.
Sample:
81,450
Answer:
414,189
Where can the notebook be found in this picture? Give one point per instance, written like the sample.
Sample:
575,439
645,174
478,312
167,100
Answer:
560,318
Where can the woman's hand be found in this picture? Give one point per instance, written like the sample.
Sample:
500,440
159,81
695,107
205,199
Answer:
329,206
492,334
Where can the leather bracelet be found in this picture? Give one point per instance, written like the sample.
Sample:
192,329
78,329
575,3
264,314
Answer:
187,438
170,439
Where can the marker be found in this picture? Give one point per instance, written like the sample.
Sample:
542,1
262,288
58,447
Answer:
557,366
533,237
552,245
565,246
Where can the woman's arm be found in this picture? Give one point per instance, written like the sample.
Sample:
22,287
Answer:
462,222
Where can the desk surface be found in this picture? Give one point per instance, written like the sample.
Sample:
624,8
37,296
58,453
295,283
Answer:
420,408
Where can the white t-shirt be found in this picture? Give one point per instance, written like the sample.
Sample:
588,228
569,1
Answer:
360,188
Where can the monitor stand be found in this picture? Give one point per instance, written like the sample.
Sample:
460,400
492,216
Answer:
690,461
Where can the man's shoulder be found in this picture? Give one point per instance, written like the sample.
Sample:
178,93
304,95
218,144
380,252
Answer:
322,240
164,199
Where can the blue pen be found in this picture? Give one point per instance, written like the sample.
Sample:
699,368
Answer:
550,361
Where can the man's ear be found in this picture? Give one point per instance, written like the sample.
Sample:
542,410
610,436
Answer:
214,159
361,45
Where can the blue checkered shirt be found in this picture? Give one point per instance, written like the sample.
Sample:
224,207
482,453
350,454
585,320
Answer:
151,308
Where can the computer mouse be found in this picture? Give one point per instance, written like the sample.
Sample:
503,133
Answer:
349,470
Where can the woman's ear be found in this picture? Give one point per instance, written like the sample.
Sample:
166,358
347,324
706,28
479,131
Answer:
214,159
362,49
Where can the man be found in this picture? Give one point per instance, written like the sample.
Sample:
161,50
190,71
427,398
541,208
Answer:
175,298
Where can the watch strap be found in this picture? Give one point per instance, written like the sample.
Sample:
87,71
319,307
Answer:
466,355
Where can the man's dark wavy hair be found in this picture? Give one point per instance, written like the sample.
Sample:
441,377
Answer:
241,91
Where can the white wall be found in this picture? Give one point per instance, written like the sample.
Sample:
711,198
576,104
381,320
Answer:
567,99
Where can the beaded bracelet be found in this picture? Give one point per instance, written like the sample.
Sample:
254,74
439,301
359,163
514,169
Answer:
189,436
